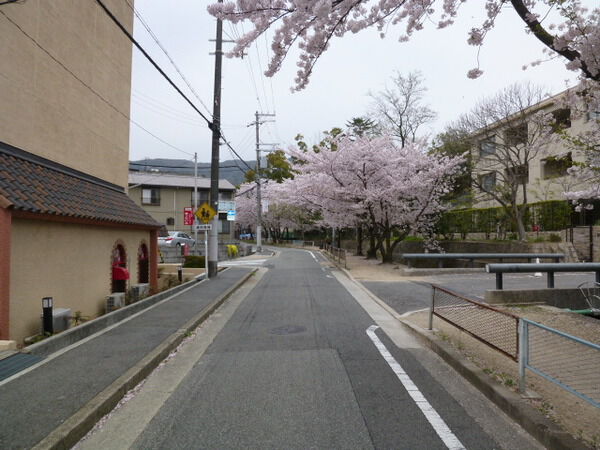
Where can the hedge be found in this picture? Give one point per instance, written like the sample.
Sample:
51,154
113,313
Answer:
553,215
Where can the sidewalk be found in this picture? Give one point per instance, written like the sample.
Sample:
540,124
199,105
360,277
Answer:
54,403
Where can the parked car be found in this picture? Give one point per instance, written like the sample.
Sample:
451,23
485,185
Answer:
176,239
244,236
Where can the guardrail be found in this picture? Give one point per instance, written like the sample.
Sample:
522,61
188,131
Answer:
471,257
567,361
549,268
498,329
338,254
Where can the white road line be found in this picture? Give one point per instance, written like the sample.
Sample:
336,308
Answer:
313,255
438,424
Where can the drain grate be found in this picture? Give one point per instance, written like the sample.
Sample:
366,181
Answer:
288,329
15,363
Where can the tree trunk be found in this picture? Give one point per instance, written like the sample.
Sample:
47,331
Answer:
359,241
372,250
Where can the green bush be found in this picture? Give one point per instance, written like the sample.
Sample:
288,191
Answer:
550,216
554,238
232,251
413,239
194,261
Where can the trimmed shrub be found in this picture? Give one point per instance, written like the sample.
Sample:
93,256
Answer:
194,261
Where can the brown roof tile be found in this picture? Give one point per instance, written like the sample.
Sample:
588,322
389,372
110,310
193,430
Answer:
37,185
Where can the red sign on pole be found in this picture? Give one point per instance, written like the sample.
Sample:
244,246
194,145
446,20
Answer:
188,216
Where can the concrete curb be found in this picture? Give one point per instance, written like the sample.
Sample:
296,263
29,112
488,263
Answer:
77,426
535,423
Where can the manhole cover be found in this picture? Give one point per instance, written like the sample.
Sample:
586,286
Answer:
288,329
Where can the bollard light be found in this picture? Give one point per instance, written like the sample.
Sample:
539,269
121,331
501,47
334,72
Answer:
47,302
48,325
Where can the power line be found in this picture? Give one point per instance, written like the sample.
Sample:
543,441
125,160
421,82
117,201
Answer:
181,167
156,40
149,58
97,94
211,125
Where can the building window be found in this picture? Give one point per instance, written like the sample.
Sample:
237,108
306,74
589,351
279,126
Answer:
518,174
487,147
556,166
170,221
151,196
225,195
224,224
561,119
516,135
202,197
488,181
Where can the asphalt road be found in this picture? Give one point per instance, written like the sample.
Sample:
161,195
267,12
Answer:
299,363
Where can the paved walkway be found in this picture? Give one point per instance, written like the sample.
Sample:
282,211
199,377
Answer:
55,391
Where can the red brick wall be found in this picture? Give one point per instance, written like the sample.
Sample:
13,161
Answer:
5,228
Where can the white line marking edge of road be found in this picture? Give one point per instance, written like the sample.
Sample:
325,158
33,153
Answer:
438,424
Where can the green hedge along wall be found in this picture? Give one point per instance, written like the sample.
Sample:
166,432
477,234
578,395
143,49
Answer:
551,215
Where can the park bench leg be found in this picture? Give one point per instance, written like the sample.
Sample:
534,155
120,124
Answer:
550,279
499,281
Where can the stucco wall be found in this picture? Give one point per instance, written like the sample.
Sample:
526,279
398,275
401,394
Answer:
71,263
173,200
49,112
538,188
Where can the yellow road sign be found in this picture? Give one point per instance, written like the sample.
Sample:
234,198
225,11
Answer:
205,213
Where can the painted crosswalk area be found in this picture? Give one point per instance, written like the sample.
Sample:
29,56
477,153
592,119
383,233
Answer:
250,262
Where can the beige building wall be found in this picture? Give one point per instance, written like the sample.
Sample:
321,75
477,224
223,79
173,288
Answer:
71,263
540,188
79,119
173,200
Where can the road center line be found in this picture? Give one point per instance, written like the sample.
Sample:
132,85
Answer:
438,424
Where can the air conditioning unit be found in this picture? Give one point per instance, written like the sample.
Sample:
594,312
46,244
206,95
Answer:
115,301
139,291
61,319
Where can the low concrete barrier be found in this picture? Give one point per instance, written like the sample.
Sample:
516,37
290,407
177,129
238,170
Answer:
560,298
75,334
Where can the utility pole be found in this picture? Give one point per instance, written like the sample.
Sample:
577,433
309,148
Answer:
257,123
213,241
195,202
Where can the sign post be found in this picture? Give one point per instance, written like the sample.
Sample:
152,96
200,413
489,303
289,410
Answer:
205,213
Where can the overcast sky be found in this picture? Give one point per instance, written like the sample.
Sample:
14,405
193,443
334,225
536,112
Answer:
353,66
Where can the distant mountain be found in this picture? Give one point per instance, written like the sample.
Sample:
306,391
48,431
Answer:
231,170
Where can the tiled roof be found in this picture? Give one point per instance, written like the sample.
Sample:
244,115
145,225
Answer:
34,184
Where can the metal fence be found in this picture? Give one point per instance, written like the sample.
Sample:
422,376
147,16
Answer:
338,254
496,328
570,362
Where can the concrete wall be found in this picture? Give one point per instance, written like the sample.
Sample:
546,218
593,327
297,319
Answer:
47,111
71,263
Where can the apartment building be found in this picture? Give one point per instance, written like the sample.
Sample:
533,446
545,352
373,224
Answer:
526,150
68,229
166,196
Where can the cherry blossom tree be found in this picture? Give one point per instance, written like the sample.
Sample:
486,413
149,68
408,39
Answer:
392,190
311,24
278,216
